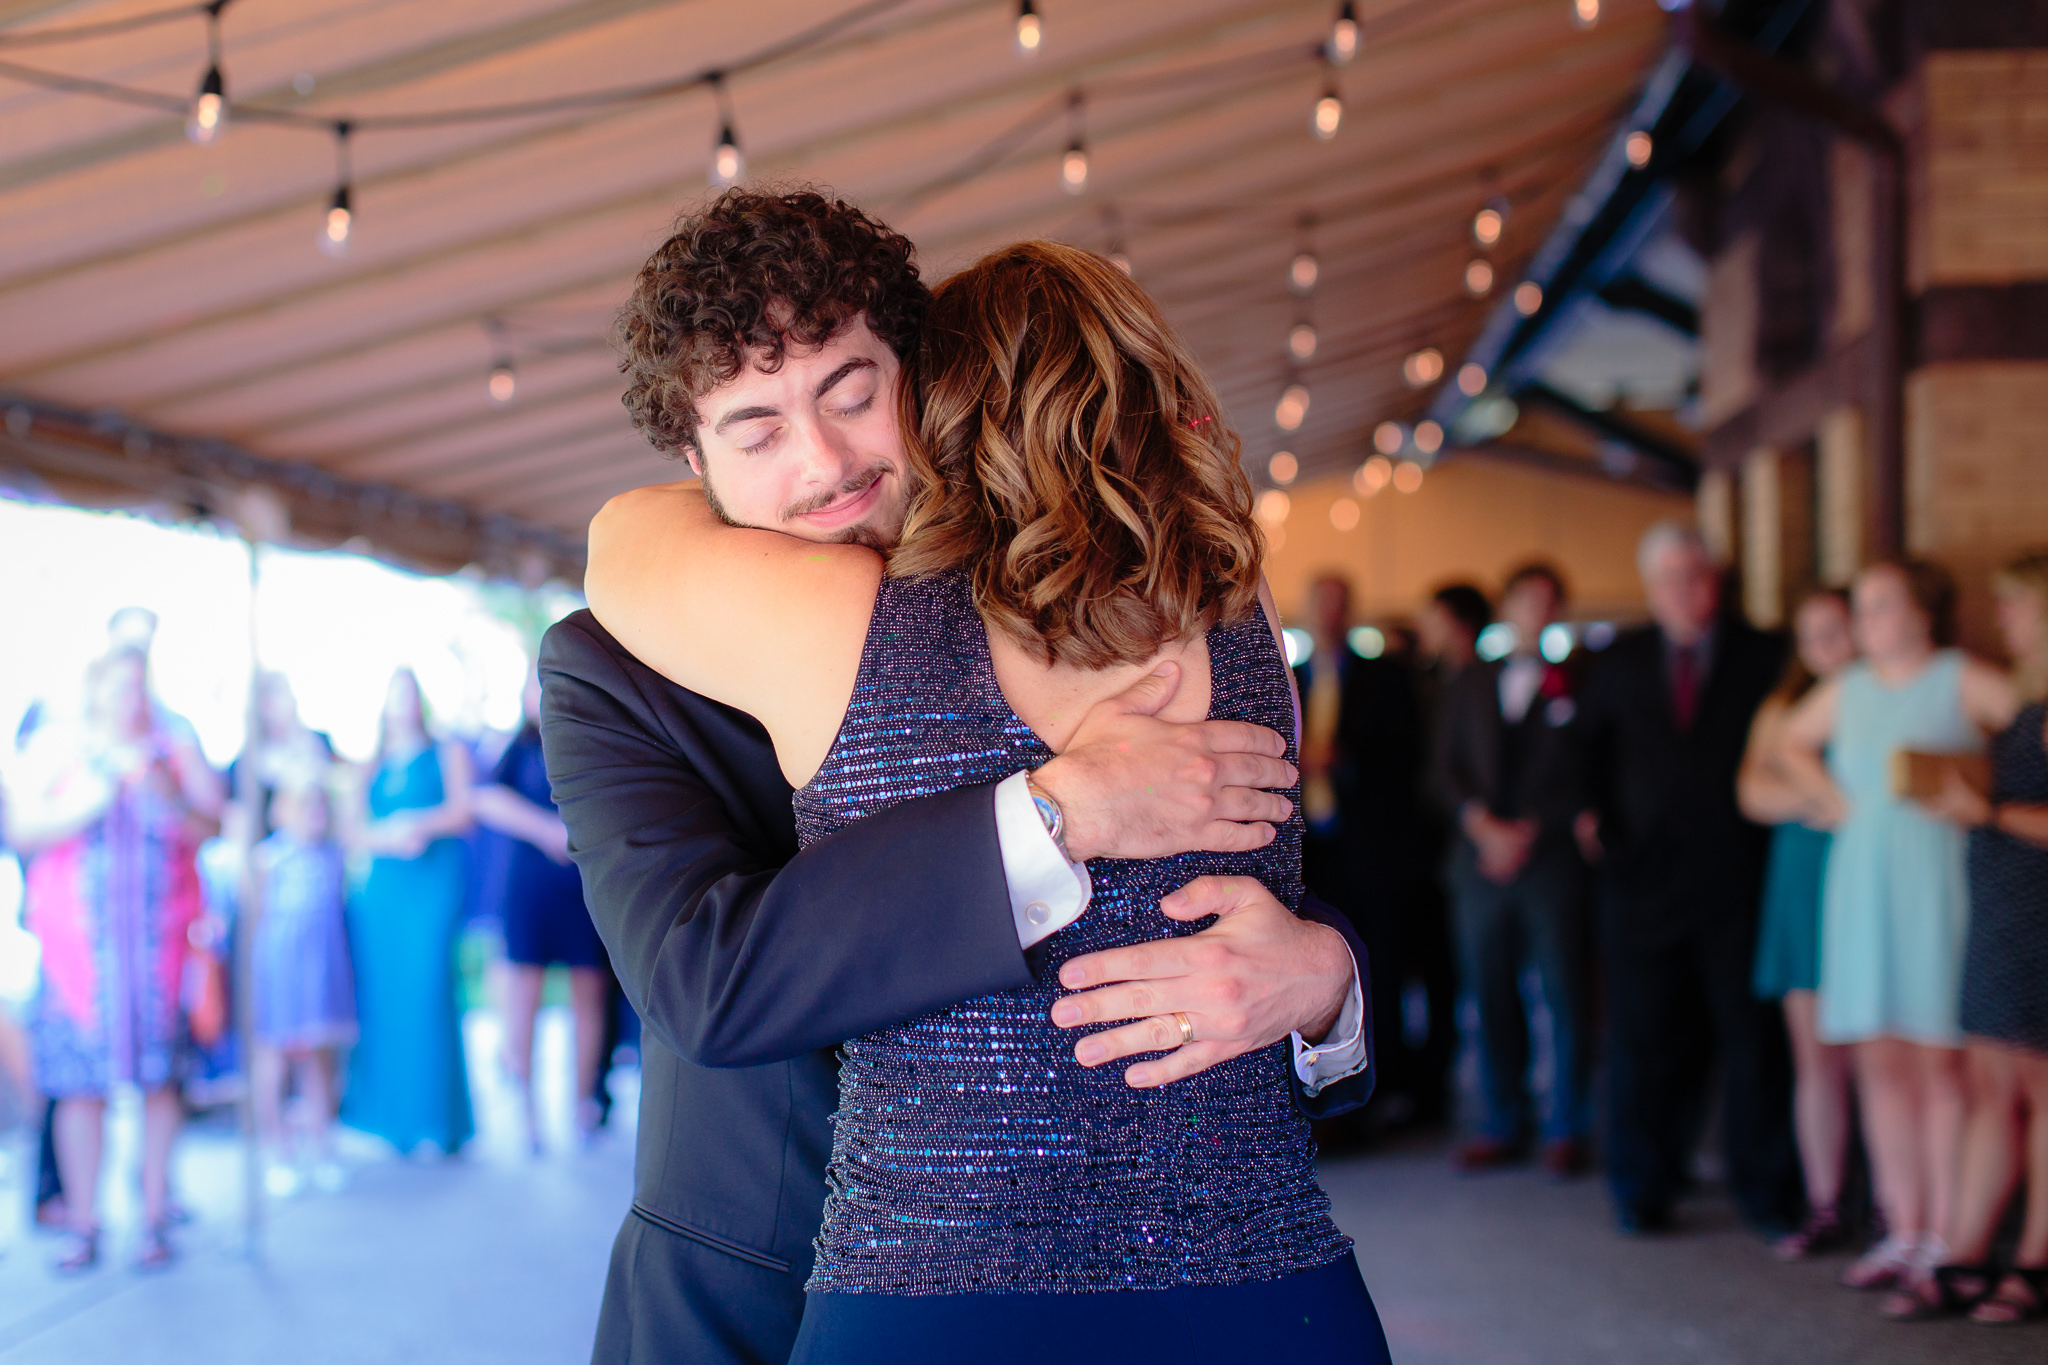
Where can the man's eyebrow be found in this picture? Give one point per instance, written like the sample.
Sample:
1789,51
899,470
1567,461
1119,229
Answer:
743,415
851,366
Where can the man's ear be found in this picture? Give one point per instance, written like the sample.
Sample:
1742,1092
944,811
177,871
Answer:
696,458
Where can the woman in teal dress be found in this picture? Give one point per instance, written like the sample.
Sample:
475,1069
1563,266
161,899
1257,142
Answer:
1895,906
1788,938
407,1082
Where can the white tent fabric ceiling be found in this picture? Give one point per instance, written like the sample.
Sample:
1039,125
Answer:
180,287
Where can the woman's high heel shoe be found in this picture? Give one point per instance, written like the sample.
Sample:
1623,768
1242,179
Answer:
81,1254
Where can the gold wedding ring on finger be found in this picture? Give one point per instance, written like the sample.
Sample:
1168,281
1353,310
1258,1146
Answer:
1187,1027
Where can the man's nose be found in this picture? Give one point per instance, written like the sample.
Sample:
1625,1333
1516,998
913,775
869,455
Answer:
824,454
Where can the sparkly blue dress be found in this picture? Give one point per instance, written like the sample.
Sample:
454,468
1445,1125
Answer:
990,1196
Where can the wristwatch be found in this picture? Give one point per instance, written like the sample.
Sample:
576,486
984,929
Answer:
1049,812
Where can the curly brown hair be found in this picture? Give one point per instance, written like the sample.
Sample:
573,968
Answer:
1069,454
743,281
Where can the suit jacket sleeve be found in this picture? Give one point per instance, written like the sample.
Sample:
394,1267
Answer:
1340,1097
1457,776
737,949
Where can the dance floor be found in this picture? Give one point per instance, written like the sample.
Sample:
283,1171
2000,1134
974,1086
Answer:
498,1259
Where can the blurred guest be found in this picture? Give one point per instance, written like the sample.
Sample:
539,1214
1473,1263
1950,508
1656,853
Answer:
284,751
111,818
407,1080
1664,716
1360,761
1507,765
545,921
2004,1008
304,994
1788,939
1895,902
1447,633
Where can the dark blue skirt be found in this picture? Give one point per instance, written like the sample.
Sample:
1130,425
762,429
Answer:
1323,1315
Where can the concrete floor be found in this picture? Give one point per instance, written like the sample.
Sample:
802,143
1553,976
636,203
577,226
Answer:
499,1259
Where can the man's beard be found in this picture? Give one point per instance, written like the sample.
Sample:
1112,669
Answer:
873,537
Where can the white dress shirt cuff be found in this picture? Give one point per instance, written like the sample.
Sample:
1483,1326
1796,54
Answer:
1343,1054
1047,893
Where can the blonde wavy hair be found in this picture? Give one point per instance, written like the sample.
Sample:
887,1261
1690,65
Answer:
2028,574
1067,452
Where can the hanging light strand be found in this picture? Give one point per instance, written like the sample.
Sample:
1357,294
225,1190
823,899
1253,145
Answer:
340,220
728,165
1343,44
1329,110
1030,31
1074,165
210,105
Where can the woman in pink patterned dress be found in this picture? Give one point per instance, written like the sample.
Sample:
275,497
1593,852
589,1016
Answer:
110,817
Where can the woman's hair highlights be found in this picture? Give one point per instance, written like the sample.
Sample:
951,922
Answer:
1069,455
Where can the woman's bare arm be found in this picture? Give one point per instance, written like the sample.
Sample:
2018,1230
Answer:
1802,736
1761,788
759,620
1989,698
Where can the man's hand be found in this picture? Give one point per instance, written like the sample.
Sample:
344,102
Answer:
1504,845
1131,785
1245,982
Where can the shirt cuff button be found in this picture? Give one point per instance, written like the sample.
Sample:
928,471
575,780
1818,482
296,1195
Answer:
1036,913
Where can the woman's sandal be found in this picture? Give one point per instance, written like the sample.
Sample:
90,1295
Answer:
1822,1232
1884,1266
1945,1291
156,1252
81,1254
2021,1295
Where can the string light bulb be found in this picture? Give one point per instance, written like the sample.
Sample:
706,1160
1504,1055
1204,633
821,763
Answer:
1422,368
1528,298
1301,341
1030,32
1074,165
1637,147
1329,112
1074,168
1479,278
1487,225
340,220
210,105
728,163
1282,468
1585,13
1292,409
1429,436
1389,437
1344,514
1407,477
503,381
1272,507
1471,379
1372,476
1302,271
1343,44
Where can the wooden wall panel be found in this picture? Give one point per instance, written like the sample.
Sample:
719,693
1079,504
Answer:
1985,181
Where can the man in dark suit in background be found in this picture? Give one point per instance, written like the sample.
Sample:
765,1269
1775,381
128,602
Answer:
748,960
1361,768
1664,717
1506,765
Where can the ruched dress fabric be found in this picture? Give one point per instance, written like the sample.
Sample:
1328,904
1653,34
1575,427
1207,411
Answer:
1895,907
2005,966
1788,930
305,993
972,1155
407,1080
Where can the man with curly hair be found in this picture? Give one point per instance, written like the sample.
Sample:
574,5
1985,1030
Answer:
763,342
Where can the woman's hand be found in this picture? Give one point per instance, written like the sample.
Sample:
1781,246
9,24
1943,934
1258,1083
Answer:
1826,810
1958,802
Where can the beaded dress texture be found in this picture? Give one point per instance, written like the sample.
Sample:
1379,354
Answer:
971,1153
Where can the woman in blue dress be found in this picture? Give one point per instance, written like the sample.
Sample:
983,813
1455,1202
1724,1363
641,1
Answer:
1788,938
407,1082
1895,906
1078,518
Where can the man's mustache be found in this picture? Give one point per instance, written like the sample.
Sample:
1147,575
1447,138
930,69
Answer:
852,488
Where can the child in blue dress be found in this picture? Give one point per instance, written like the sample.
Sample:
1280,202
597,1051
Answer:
303,991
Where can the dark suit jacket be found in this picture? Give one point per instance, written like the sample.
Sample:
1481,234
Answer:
748,960
1469,751
1679,854
1376,770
